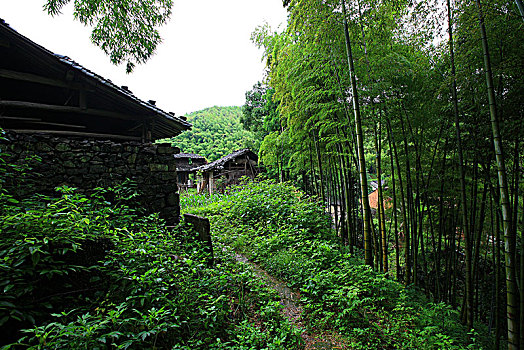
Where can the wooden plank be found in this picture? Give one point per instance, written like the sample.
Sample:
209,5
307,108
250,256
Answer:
76,133
68,109
21,118
202,226
253,169
82,99
159,128
33,78
4,43
56,124
136,127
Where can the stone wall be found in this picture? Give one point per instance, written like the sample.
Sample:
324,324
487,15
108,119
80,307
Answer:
89,163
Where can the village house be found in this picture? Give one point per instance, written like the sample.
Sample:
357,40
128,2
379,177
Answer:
186,165
227,171
73,127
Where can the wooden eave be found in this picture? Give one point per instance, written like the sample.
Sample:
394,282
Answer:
98,101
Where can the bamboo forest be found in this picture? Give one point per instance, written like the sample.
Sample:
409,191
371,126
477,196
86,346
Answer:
425,99
369,193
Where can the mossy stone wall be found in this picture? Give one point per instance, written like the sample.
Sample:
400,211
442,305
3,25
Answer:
90,163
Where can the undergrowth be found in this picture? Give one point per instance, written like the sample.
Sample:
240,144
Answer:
290,235
89,272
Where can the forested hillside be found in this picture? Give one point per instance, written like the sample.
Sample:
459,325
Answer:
430,93
216,132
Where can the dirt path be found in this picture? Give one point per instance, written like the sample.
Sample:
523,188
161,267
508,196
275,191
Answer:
290,300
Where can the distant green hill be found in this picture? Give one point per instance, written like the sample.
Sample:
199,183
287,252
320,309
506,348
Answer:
216,132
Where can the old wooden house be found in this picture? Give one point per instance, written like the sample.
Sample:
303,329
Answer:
226,171
85,130
46,92
186,165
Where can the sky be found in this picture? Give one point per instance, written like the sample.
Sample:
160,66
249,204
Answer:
206,58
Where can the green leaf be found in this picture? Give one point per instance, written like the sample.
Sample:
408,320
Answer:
7,304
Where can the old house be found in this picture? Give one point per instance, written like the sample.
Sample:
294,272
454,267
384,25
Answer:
228,170
85,130
186,165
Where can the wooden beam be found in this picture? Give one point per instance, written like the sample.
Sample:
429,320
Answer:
136,127
40,122
163,132
56,124
33,78
76,133
67,109
147,126
21,118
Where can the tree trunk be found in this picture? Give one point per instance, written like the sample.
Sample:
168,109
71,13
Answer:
512,305
441,230
409,233
407,264
395,218
319,159
380,204
463,199
368,254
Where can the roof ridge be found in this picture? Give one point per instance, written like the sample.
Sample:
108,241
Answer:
224,159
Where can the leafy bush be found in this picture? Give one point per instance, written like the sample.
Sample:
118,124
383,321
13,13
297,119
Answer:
270,205
290,236
90,272
190,200
11,172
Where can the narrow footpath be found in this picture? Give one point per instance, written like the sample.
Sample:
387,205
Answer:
290,300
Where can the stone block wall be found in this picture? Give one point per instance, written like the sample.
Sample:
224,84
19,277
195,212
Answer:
89,163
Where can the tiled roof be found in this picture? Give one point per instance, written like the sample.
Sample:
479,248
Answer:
219,164
121,90
188,155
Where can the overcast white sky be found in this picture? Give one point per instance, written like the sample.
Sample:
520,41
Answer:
206,59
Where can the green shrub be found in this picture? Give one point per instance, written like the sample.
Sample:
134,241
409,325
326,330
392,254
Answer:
92,273
290,235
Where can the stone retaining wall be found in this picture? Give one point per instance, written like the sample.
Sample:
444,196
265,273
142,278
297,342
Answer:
89,163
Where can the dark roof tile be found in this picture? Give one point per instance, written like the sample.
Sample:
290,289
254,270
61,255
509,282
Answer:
219,164
188,155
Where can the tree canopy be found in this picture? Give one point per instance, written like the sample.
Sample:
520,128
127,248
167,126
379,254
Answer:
126,30
394,64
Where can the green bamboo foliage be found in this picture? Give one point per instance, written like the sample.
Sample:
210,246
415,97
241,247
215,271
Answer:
437,154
